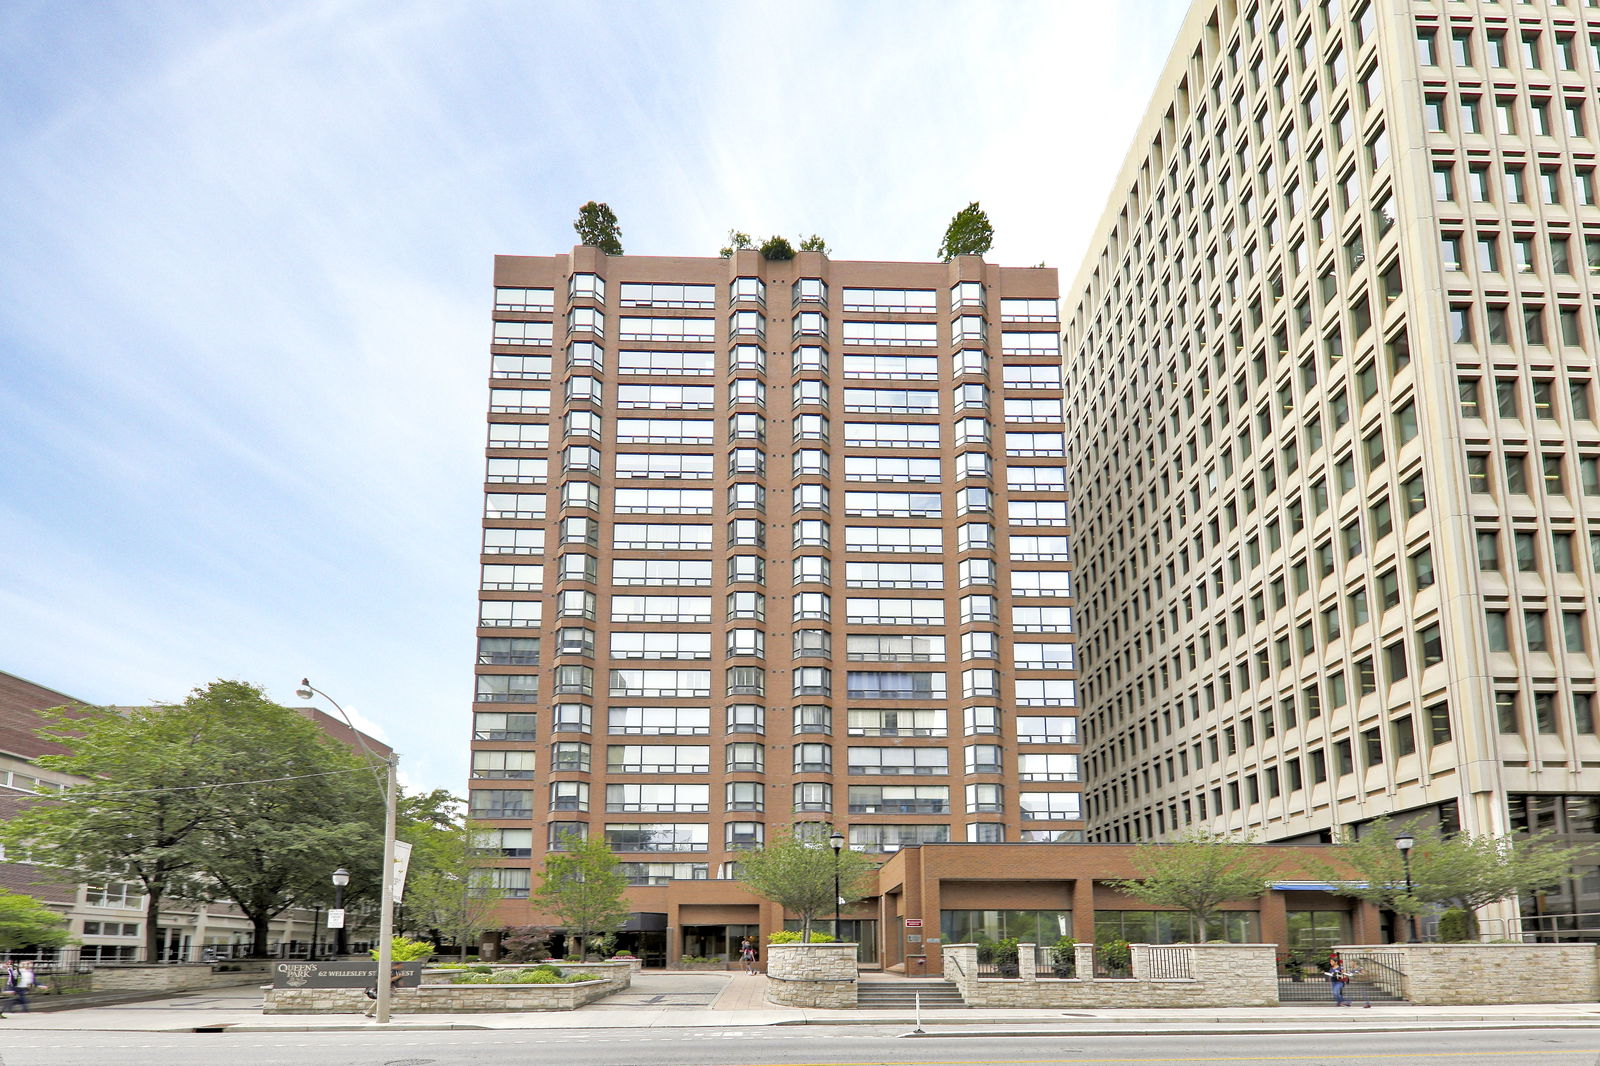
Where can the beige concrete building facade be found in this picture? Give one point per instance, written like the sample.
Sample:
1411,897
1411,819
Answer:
771,542
1335,460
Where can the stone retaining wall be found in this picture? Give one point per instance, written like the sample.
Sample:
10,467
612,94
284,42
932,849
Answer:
179,977
438,996
812,975
1474,974
1221,975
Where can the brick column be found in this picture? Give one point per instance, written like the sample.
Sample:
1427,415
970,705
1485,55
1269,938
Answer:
1274,913
1083,910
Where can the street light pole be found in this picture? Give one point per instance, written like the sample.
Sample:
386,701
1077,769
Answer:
836,842
341,877
386,905
1404,842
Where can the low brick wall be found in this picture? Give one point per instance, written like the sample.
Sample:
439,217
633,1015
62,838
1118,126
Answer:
812,975
1439,975
1220,975
438,996
179,977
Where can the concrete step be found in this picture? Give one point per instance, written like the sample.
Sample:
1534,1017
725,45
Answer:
886,995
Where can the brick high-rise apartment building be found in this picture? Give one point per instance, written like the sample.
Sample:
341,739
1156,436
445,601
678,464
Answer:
772,542
1331,369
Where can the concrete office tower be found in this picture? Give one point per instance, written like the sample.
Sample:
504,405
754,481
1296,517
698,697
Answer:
1330,373
772,542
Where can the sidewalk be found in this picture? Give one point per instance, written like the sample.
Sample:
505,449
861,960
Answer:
237,1010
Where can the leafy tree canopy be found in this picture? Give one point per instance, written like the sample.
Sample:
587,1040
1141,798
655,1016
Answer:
448,892
25,922
736,241
797,872
165,806
1198,872
1462,870
597,227
969,233
583,886
814,243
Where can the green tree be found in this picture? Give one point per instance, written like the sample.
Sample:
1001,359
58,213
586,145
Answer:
447,891
969,233
777,248
597,227
814,243
797,872
152,793
25,922
583,885
1461,870
1197,873
736,241
270,847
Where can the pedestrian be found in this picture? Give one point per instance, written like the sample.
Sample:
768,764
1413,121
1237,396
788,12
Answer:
21,981
8,982
747,952
1339,977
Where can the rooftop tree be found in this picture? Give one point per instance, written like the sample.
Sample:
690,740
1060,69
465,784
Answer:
969,233
597,227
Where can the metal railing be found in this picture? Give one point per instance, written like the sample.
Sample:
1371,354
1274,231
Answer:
1381,972
1048,964
1171,964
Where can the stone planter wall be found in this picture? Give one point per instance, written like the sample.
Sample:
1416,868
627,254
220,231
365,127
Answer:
1220,975
1474,974
812,975
179,977
438,996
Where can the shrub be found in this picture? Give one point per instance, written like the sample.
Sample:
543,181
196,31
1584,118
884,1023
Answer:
1116,954
404,949
1063,953
1006,951
792,936
1458,925
777,248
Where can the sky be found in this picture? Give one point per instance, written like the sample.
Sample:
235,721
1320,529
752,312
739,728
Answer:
245,280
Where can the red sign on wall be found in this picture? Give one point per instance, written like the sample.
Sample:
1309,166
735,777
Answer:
913,923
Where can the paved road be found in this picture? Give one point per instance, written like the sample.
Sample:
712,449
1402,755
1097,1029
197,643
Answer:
795,1046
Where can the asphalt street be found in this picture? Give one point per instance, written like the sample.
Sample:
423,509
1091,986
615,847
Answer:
814,1045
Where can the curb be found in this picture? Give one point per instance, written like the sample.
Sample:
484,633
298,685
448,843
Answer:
1228,1029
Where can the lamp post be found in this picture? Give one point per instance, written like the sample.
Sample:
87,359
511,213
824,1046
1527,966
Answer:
341,877
1404,842
385,990
836,842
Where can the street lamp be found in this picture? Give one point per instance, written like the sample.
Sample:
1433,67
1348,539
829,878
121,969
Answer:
836,842
1405,842
385,990
341,877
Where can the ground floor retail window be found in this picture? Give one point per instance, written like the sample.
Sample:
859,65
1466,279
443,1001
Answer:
1309,930
1029,927
1175,927
717,941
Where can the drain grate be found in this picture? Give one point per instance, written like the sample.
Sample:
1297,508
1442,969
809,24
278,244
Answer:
409,1062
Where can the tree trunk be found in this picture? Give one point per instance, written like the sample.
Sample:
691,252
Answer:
152,923
258,936
805,929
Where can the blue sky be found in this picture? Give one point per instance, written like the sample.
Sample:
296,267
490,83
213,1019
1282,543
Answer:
246,259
